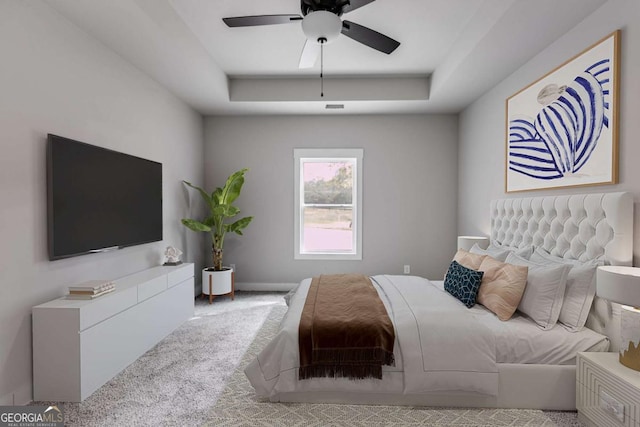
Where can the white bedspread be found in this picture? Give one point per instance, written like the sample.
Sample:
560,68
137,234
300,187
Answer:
440,345
444,346
521,341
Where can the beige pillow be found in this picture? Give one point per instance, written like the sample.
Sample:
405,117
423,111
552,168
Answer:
469,260
502,286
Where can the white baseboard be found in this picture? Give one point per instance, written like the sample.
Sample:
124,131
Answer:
256,286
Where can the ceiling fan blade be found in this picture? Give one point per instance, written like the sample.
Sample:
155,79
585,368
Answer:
355,4
310,53
368,37
252,21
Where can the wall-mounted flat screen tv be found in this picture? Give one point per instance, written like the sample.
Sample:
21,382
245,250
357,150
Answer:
99,199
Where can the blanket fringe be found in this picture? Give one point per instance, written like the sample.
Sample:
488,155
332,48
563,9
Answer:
354,355
355,372
353,363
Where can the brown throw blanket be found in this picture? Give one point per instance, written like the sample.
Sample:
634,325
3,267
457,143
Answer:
345,330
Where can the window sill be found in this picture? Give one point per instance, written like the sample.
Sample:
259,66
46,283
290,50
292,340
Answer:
328,257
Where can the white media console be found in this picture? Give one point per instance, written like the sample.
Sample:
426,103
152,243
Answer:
78,345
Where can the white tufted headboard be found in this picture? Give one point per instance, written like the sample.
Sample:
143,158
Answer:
581,227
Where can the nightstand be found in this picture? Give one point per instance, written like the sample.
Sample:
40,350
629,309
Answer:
607,392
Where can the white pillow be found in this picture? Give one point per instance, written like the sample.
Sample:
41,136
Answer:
542,254
544,293
580,290
501,252
521,252
493,251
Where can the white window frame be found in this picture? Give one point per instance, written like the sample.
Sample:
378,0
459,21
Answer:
327,154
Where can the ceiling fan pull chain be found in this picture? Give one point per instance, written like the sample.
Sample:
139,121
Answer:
322,41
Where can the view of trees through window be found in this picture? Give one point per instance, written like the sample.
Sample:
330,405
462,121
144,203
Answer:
328,206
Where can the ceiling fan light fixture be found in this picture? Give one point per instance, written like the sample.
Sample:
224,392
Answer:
321,25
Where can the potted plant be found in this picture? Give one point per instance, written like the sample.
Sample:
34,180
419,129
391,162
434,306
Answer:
218,280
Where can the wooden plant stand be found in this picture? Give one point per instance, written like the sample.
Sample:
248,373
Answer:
212,297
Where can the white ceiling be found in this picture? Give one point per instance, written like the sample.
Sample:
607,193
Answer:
451,51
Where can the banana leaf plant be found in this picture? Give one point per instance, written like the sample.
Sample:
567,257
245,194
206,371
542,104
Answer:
220,209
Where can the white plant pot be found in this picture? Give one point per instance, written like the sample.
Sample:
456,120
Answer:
217,282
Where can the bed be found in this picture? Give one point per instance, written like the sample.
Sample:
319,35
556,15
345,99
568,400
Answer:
477,360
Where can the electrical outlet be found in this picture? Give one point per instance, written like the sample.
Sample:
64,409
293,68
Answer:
407,269
233,267
609,404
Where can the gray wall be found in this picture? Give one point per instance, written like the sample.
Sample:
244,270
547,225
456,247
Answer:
482,125
54,78
410,181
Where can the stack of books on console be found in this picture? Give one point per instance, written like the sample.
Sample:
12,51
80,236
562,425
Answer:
91,289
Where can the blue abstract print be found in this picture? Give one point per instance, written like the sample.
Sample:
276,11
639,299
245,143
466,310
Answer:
559,141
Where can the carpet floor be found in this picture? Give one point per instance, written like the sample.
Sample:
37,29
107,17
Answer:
195,377
178,381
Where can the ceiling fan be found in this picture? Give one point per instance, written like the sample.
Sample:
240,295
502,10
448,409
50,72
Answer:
321,24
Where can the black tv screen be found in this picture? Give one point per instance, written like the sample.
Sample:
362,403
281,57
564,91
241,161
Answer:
99,199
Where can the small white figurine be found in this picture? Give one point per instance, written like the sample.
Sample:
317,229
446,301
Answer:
172,256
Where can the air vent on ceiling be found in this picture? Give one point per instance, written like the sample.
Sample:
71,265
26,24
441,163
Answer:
334,106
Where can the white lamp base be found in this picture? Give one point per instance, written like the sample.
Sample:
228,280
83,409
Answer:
630,337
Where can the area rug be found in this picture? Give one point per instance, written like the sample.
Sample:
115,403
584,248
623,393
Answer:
238,405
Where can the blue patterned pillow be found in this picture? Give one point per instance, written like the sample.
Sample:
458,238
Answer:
463,283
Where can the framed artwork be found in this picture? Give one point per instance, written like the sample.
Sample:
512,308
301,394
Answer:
562,130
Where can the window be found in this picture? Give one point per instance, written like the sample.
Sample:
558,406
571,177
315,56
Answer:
328,204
